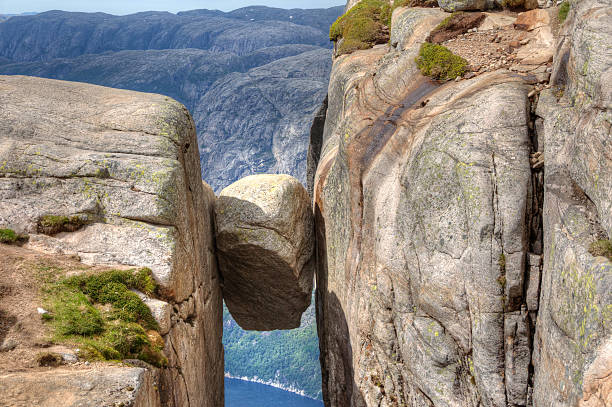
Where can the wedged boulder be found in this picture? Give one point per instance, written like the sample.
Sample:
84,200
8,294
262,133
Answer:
265,249
117,175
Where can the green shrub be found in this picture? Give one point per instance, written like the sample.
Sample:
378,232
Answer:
564,9
49,359
362,26
8,236
601,248
439,62
52,224
107,320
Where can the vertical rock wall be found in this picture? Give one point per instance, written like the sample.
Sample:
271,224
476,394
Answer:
128,164
430,238
573,343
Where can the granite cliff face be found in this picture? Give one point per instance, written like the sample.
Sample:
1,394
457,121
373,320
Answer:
126,164
440,207
278,60
252,79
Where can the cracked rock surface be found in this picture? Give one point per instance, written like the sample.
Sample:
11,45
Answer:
439,207
265,249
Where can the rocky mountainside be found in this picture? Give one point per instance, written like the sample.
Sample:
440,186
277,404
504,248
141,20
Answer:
252,78
111,281
462,199
463,226
278,60
109,177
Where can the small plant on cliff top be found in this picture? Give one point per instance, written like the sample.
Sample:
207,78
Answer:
601,248
361,27
101,314
8,236
439,62
52,224
564,9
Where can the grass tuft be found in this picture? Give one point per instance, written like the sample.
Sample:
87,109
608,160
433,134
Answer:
49,359
444,23
439,62
99,313
9,236
564,9
601,248
52,224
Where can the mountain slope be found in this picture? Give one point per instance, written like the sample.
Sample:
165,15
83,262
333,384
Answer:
57,34
252,87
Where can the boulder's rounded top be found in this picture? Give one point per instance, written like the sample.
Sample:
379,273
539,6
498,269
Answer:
272,194
260,183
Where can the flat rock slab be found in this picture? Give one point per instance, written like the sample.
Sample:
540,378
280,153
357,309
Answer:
265,248
116,386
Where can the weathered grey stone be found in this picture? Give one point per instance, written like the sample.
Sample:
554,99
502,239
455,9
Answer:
106,387
532,297
8,344
69,358
460,5
161,310
421,198
574,320
265,249
129,163
517,338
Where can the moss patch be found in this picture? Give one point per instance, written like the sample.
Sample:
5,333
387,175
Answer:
512,4
439,62
8,236
99,314
52,224
49,359
564,9
424,3
364,25
601,248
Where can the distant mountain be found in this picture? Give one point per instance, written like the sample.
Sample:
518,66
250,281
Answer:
59,34
4,17
213,62
253,79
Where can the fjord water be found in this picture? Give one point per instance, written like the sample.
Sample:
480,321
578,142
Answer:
240,393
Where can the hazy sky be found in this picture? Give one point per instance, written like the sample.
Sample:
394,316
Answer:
132,6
